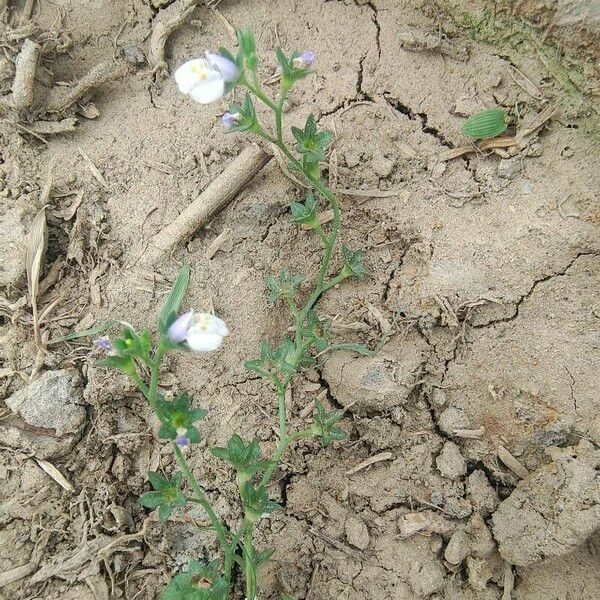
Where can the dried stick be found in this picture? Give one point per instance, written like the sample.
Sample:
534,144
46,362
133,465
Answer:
59,101
18,572
22,88
214,198
165,22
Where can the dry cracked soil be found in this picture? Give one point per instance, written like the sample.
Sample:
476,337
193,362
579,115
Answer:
471,466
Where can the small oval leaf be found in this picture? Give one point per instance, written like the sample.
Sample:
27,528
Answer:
485,124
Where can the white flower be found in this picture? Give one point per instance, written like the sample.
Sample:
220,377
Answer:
204,78
202,332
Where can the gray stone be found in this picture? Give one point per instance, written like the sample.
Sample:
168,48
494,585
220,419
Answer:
382,165
51,402
458,547
13,244
453,418
451,462
368,384
426,577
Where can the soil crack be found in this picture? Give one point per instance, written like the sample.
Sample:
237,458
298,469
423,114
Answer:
532,289
419,117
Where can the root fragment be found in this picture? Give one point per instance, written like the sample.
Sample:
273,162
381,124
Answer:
22,88
59,101
163,25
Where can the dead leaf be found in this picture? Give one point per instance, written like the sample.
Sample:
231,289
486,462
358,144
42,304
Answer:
37,240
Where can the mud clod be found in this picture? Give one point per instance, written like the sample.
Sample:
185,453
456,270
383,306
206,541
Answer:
451,462
554,510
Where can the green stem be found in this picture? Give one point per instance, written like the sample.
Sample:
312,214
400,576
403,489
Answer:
201,497
334,281
250,570
283,445
151,394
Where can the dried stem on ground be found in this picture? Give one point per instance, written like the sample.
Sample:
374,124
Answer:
163,25
214,198
59,100
22,88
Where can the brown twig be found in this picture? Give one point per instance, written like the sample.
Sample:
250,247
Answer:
214,198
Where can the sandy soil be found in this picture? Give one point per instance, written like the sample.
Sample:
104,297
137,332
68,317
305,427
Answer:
480,413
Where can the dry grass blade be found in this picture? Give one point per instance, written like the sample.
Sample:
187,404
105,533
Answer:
36,250
53,472
370,461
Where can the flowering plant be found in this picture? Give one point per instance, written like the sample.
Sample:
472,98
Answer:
205,80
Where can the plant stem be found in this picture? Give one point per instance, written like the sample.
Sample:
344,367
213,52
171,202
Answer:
151,394
250,570
201,496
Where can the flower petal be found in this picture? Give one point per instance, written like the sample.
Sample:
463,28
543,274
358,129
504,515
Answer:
208,91
186,76
210,324
228,69
200,341
177,332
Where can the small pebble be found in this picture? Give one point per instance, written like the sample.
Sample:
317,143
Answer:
134,55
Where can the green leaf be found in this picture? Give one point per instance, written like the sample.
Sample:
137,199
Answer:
284,286
125,364
166,496
306,214
358,348
246,116
325,424
178,414
256,502
199,581
88,332
485,124
353,263
245,457
317,329
311,142
263,556
174,300
256,366
247,45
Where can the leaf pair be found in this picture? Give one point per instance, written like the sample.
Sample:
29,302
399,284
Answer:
167,494
256,502
325,424
284,286
245,458
353,263
282,360
311,142
289,72
306,213
200,581
178,414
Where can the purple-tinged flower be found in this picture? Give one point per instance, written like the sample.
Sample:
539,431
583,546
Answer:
202,332
182,439
105,344
228,69
178,330
305,60
230,119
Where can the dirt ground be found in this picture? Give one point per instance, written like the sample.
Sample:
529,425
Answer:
479,417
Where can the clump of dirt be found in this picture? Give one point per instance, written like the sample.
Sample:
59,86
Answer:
470,468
